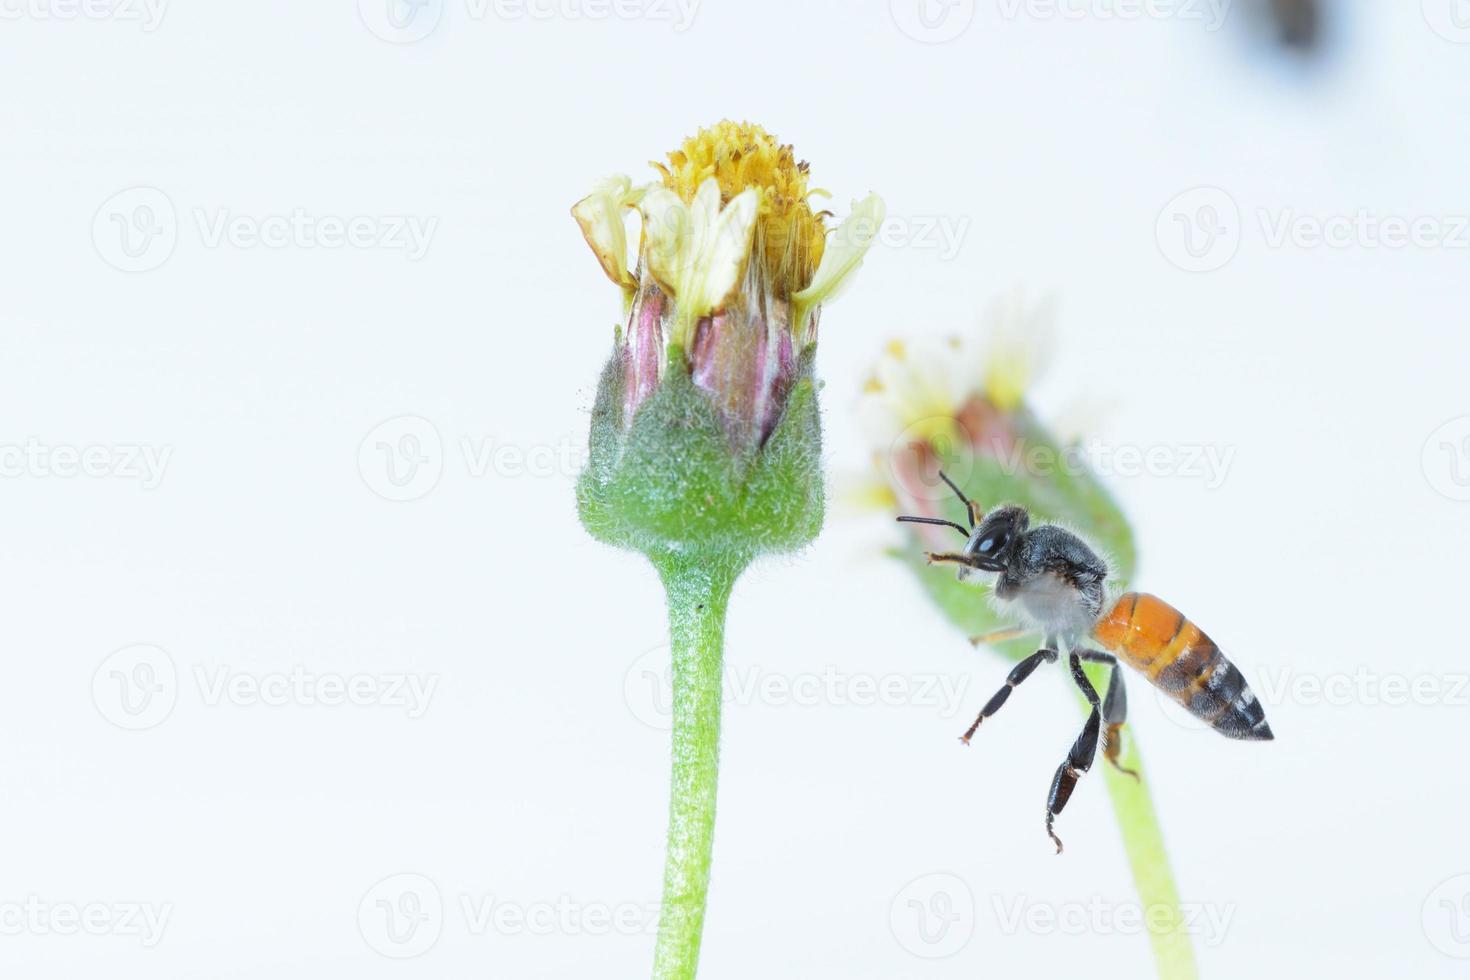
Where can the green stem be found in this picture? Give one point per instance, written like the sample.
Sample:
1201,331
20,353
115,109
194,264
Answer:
698,595
1143,840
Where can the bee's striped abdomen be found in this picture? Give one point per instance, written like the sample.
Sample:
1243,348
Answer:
1156,639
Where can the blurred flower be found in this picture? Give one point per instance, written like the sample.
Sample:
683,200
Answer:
960,405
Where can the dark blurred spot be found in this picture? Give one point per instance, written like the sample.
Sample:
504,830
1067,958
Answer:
1298,23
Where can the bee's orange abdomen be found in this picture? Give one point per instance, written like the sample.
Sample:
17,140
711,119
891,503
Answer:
1177,657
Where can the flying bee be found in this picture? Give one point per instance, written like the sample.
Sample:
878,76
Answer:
1055,584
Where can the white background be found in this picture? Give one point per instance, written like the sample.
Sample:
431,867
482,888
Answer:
1331,552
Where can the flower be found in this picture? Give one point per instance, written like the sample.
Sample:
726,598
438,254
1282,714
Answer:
733,267
960,405
705,443
958,402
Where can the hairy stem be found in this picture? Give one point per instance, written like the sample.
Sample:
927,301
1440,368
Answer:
698,595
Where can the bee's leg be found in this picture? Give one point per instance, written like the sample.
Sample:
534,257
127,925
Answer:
1019,673
1079,759
1114,711
948,558
1000,635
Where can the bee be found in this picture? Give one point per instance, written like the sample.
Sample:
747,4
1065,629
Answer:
1057,584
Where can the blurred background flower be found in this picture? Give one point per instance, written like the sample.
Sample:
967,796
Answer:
959,404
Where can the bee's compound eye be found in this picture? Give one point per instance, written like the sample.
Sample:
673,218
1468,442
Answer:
992,544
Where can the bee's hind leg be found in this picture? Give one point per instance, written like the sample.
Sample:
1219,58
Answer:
1079,759
1114,710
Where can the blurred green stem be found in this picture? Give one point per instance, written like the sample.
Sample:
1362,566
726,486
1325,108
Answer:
698,595
1143,840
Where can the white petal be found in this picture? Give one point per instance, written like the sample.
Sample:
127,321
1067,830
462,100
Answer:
844,251
722,252
666,223
600,215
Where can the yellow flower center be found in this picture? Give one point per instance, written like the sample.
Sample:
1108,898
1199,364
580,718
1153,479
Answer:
789,236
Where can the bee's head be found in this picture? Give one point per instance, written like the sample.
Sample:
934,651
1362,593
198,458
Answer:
993,541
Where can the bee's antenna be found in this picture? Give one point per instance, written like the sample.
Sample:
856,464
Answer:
935,520
971,508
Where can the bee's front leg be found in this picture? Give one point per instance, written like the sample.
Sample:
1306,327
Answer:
949,558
